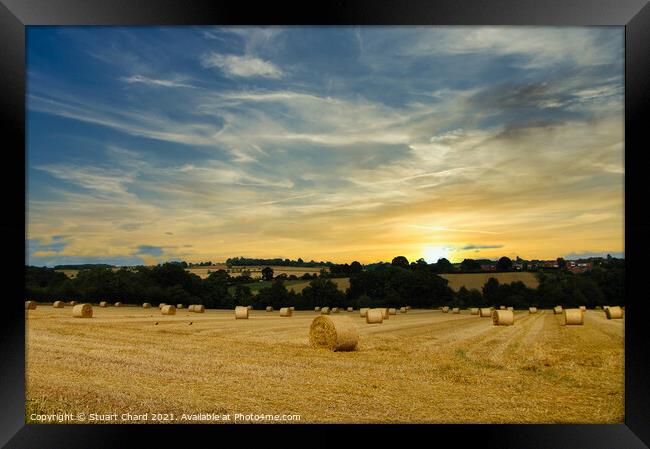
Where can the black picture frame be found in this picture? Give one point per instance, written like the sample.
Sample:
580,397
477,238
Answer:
634,15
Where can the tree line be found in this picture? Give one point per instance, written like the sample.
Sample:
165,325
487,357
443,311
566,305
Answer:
387,285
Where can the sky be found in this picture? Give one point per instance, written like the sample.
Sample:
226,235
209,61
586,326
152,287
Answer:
148,144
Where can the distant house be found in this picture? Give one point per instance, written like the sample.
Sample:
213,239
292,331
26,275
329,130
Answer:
580,267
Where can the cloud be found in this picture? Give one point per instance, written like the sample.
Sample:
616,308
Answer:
149,250
53,260
535,47
242,66
109,181
55,245
468,247
155,82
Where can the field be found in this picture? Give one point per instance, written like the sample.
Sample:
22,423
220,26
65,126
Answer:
424,366
478,280
257,286
342,283
255,271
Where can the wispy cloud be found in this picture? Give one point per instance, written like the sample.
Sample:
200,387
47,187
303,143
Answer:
468,247
155,82
242,66
108,181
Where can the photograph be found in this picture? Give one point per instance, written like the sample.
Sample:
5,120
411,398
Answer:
341,224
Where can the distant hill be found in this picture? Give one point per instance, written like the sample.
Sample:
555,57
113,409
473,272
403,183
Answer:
82,266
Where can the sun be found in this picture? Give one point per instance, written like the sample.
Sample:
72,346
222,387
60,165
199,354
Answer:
432,253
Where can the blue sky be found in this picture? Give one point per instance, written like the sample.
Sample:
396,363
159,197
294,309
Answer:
327,143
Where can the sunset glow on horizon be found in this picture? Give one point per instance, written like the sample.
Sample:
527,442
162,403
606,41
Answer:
149,144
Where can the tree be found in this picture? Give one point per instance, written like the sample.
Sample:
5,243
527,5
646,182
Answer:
490,291
324,293
470,265
388,283
504,264
561,263
267,273
276,296
355,268
420,264
243,295
400,261
444,266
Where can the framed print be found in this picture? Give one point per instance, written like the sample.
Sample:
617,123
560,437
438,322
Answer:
368,214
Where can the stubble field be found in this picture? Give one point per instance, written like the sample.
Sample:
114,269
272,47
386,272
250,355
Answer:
478,280
424,366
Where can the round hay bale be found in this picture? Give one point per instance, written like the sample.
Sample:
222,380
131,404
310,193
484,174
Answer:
146,305
408,307
363,312
82,311
103,304
502,307
374,316
492,308
503,318
402,310
455,310
73,303
190,308
598,308
292,308
384,311
168,310
249,307
316,309
325,311
30,305
335,310
350,309
486,312
286,311
241,313
336,333
573,316
118,304
474,311
161,305
445,309
532,310
512,309
614,313
198,308
179,306
583,308
269,308
392,311
557,310
58,305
